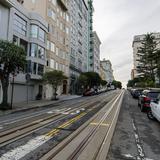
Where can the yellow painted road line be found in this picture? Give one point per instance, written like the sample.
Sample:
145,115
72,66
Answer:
66,124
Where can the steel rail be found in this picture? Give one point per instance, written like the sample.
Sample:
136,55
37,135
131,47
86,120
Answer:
53,152
23,131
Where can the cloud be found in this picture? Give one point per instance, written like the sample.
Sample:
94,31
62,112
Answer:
116,22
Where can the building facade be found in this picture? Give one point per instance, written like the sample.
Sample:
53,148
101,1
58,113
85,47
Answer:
55,12
107,66
90,36
102,72
96,52
137,43
27,30
78,11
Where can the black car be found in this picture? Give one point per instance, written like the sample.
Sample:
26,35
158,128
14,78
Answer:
136,93
146,97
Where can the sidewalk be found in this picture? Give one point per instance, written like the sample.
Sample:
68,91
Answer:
37,104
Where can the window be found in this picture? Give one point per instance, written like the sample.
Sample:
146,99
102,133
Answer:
41,52
37,51
34,31
52,47
20,25
37,32
56,66
67,30
52,63
48,45
34,70
15,40
40,69
41,35
33,50
57,50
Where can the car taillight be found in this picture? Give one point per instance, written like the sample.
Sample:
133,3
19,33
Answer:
147,99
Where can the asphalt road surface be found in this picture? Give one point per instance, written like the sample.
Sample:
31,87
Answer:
136,137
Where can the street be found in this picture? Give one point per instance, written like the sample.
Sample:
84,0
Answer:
35,133
135,137
81,129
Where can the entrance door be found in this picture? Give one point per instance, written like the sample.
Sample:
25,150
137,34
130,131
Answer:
64,87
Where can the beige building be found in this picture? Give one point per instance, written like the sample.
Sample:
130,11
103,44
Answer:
102,72
55,12
137,43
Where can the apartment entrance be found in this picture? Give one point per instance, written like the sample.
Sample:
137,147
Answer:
65,87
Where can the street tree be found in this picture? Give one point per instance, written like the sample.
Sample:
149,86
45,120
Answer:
103,82
117,84
90,79
147,54
83,80
54,78
12,61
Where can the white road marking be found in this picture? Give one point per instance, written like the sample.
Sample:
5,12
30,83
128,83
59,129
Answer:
50,112
23,150
128,156
1,127
77,111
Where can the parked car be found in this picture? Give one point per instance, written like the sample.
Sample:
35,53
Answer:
154,112
146,97
89,92
136,93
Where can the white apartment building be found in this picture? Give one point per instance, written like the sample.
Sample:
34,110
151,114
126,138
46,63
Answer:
78,11
137,43
108,71
27,30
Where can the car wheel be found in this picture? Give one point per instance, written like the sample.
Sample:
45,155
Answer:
150,115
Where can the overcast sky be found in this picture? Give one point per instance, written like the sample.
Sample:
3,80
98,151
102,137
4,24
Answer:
116,22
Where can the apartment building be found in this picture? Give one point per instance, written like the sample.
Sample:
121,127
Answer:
78,10
107,66
55,12
27,30
96,53
102,72
90,36
137,43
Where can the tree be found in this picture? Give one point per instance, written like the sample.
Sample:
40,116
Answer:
54,78
147,54
103,82
117,84
90,79
83,80
12,61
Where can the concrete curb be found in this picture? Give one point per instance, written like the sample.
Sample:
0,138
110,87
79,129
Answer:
24,109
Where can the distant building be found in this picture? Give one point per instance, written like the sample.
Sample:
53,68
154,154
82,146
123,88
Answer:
96,53
27,30
137,43
107,66
132,74
102,72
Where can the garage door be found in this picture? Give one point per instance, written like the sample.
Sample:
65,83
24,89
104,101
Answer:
20,93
